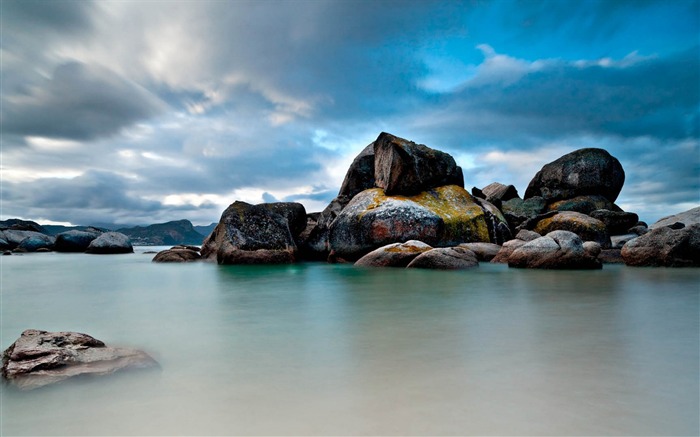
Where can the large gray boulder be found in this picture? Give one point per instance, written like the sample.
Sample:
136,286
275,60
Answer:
14,237
39,358
556,250
665,247
404,167
445,258
393,255
689,217
75,241
250,234
110,243
581,172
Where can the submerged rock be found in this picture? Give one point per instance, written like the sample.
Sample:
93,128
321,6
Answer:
177,254
40,358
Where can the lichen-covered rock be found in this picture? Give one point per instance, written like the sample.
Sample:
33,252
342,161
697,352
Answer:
665,247
483,251
393,255
444,216
445,258
177,254
293,212
39,358
588,228
583,204
250,234
74,240
402,167
581,172
110,243
556,250
617,222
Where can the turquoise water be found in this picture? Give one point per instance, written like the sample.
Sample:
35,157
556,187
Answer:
318,349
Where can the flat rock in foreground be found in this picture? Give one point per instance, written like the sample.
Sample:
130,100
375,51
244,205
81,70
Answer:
40,358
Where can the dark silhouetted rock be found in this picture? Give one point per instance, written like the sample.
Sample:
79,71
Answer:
582,172
250,234
445,258
293,212
360,174
516,210
35,243
313,244
404,167
110,243
666,247
588,228
74,241
556,250
178,254
445,216
617,222
40,358
393,255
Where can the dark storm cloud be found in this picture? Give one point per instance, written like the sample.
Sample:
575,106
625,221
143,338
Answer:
79,102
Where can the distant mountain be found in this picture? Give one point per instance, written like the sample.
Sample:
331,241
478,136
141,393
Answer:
205,230
164,234
57,229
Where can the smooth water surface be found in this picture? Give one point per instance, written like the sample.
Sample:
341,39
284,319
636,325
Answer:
335,350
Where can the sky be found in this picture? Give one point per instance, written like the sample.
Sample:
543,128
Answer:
139,112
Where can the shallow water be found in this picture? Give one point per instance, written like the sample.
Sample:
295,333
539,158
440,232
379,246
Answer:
332,349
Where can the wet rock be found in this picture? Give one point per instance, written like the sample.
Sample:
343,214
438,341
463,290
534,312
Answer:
444,216
582,172
617,222
483,251
588,228
74,241
177,255
250,234
556,250
445,258
666,247
110,243
404,167
393,255
40,358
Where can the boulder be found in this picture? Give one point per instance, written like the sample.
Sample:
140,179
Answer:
556,250
499,191
404,167
689,217
13,237
444,216
617,222
483,251
664,246
250,234
110,243
581,172
4,245
35,243
293,212
527,235
506,250
360,174
516,210
39,358
393,255
177,254
588,228
592,248
583,204
445,258
74,241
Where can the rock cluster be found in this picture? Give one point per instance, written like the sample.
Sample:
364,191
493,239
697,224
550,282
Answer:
39,358
23,236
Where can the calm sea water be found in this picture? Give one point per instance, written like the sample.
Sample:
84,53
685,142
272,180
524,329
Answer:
332,349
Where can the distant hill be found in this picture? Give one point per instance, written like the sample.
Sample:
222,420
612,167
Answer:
205,230
57,229
164,234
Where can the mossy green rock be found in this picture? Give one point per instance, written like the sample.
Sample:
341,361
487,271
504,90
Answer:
444,216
